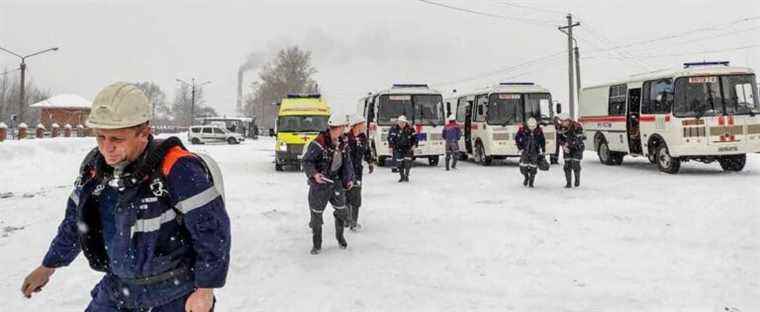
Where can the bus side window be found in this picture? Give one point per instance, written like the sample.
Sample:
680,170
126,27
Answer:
617,100
646,107
661,96
481,107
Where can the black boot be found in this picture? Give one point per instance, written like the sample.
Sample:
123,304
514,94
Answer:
568,178
401,173
526,180
339,234
577,178
316,239
408,170
448,159
531,180
454,161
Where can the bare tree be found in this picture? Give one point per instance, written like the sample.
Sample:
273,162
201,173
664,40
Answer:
182,105
290,72
157,97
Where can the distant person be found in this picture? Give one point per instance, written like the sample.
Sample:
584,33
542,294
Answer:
402,140
358,146
330,172
147,213
571,138
452,134
532,145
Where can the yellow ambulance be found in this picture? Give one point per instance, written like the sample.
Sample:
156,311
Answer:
299,119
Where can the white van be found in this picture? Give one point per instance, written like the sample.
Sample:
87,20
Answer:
704,112
491,117
213,133
421,105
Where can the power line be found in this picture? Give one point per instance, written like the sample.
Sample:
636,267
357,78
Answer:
682,34
535,22
746,47
522,6
500,71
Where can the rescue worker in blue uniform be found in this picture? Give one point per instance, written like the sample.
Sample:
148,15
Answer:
402,139
146,213
452,134
571,139
531,142
358,147
330,172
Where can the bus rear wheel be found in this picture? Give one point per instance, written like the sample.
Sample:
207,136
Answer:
606,156
665,162
733,163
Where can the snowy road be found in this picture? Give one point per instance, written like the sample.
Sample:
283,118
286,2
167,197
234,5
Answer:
631,239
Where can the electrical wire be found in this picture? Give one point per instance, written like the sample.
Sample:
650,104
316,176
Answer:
535,22
508,69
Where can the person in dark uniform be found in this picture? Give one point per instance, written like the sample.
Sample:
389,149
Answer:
532,145
146,212
358,146
452,134
571,137
330,172
402,139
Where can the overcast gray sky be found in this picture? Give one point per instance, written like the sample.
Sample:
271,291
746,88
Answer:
364,45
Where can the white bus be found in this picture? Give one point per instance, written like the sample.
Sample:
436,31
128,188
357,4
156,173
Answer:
704,112
422,106
491,117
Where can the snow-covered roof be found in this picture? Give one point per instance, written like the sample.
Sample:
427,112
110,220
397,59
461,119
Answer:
64,101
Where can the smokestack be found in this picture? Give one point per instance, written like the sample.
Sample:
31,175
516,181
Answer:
241,70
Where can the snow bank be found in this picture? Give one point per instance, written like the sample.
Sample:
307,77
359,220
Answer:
631,239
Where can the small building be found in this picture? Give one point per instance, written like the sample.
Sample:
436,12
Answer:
63,109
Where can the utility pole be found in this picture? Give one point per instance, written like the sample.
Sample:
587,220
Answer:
22,89
193,87
578,71
570,65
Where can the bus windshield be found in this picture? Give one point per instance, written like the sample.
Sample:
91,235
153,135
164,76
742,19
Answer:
393,106
301,123
429,109
505,109
716,95
538,106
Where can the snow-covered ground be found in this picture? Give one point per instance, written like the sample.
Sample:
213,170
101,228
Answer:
631,239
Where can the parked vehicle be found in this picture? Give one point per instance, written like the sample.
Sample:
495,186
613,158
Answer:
491,117
421,105
213,133
299,120
704,112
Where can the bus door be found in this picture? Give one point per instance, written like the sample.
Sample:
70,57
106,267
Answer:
633,121
467,123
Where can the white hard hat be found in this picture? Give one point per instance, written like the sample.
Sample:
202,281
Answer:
532,123
356,119
452,117
402,118
120,105
337,121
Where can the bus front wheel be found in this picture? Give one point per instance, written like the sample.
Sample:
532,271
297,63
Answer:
665,162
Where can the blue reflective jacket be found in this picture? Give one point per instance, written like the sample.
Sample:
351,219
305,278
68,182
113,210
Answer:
173,219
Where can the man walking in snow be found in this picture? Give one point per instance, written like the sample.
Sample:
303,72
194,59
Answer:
330,172
571,139
452,134
358,146
402,139
146,213
532,145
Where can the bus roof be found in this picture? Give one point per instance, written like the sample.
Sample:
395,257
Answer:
522,87
684,72
303,106
413,89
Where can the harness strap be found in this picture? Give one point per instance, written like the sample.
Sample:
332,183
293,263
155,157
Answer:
155,279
